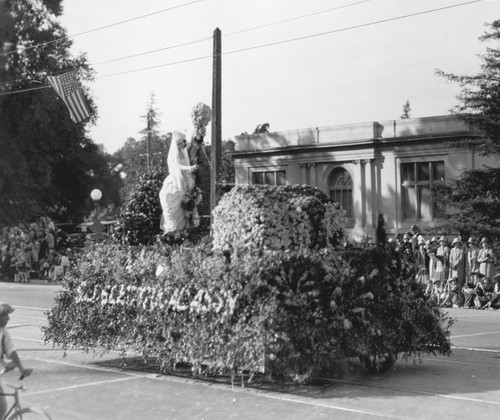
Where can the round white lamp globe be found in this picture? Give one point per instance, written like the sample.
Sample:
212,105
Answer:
96,194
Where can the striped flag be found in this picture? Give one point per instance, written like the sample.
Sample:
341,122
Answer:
67,87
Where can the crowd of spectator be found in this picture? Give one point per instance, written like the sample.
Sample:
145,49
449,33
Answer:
457,273
33,250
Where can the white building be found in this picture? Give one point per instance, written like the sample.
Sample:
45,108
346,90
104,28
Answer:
372,168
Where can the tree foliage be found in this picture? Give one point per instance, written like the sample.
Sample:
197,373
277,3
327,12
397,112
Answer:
476,193
139,220
132,156
48,164
479,100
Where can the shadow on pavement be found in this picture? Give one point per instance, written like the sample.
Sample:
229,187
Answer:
465,372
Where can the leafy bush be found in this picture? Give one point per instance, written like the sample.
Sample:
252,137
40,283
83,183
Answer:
285,217
274,310
139,221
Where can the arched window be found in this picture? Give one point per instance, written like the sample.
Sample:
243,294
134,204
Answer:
340,186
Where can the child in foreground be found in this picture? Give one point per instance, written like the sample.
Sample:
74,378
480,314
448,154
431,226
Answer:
8,351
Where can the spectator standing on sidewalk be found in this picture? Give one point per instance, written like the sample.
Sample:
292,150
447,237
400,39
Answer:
5,265
49,237
457,261
486,259
431,250
443,251
471,263
422,265
405,249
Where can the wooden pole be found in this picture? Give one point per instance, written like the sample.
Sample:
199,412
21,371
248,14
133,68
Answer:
216,150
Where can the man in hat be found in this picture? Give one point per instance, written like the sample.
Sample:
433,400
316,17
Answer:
7,350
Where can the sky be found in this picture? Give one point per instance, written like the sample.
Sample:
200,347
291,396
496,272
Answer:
290,63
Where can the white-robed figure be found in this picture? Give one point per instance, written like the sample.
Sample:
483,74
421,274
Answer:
176,185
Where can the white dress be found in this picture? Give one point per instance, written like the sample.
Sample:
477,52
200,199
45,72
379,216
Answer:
175,187
171,196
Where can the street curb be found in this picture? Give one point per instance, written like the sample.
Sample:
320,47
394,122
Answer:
38,282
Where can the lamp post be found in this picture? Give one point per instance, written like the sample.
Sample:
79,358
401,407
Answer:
97,227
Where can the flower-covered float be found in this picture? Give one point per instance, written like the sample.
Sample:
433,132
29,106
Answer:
272,290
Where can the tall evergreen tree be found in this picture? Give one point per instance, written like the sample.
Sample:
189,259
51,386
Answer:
476,194
47,162
133,154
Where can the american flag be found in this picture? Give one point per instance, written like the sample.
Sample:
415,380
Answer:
67,87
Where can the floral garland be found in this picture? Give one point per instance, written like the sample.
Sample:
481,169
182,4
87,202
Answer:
189,204
201,115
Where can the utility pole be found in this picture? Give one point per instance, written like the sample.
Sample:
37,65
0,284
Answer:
216,152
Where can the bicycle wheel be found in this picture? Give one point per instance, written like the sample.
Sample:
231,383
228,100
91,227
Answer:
30,413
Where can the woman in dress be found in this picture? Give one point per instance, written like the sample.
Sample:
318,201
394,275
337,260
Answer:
176,186
443,253
457,261
485,258
471,263
422,265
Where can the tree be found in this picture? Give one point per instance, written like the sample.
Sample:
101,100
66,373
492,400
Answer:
139,220
48,164
476,193
133,155
479,99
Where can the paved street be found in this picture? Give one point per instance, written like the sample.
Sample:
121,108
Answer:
81,386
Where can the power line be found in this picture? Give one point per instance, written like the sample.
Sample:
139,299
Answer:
228,34
294,18
103,27
352,27
209,38
297,39
152,51
277,42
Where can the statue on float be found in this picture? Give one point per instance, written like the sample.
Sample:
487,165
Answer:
181,194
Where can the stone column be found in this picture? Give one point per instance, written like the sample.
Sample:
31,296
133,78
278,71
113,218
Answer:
304,173
370,194
312,175
357,192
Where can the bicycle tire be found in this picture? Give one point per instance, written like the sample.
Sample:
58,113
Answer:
30,413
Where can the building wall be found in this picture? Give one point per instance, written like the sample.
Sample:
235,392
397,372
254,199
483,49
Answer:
371,153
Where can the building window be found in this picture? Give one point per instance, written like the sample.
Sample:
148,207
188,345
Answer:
269,178
419,199
340,185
